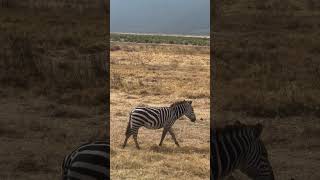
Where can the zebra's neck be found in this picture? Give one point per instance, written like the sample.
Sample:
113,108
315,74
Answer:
229,159
233,151
177,111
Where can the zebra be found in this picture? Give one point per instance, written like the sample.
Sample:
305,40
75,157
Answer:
89,161
156,118
240,147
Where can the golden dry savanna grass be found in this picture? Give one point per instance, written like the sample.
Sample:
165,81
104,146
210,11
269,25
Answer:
268,72
158,75
46,108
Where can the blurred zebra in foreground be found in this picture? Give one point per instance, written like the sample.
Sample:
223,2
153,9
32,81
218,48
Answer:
156,118
240,147
89,161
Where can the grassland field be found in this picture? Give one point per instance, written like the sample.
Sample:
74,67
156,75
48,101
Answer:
155,75
53,88
267,71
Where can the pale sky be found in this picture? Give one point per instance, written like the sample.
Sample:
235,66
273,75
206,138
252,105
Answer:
160,16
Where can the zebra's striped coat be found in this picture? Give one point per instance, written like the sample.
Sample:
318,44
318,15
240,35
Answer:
156,118
240,147
89,161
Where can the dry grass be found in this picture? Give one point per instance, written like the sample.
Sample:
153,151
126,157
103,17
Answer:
159,75
51,58
79,5
53,88
267,57
36,134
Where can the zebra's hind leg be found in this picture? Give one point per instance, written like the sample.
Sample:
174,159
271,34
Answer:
173,137
135,137
164,132
126,140
128,132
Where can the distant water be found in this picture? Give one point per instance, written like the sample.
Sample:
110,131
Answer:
160,16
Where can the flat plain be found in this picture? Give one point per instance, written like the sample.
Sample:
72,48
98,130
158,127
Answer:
158,75
52,88
267,56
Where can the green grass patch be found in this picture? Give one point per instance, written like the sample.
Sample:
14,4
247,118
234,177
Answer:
160,39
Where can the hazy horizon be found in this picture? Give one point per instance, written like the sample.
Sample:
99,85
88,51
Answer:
160,16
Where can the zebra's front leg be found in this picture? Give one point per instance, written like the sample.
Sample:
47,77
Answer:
135,137
173,137
164,132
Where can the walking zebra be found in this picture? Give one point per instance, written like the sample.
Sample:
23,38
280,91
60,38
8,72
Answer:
240,147
89,161
156,118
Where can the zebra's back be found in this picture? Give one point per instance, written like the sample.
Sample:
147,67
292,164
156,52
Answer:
149,117
88,161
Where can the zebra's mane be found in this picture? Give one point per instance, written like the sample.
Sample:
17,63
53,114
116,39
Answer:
178,103
230,129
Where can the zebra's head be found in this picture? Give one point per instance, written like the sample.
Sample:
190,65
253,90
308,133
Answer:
257,165
189,111
260,168
184,108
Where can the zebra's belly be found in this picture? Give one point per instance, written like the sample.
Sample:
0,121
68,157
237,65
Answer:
149,126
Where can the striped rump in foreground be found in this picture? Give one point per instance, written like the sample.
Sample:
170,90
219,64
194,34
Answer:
240,147
89,161
156,118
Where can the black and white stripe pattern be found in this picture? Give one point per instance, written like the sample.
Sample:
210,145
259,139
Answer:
90,161
240,147
156,118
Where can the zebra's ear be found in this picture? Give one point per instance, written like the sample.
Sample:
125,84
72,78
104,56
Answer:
259,128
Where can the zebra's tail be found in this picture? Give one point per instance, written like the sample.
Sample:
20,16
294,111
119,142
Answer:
129,125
